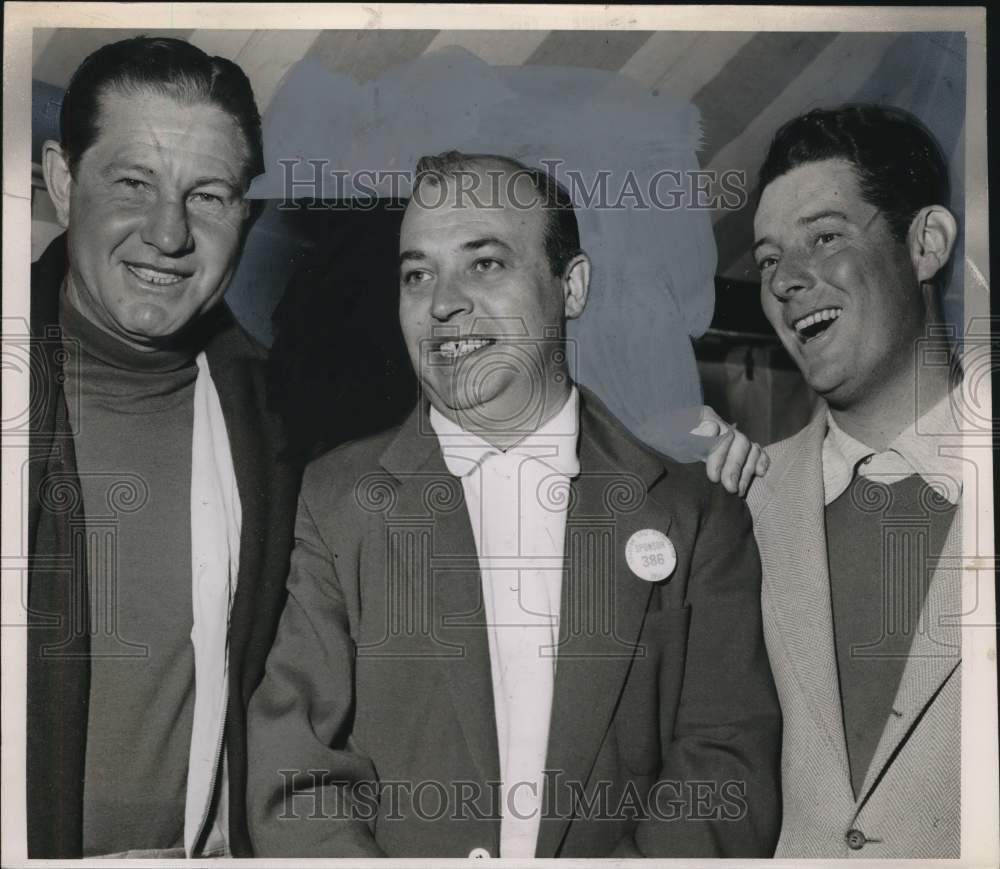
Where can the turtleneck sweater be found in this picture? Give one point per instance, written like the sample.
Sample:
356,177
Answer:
135,414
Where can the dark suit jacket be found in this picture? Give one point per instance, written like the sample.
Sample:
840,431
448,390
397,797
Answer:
58,685
381,667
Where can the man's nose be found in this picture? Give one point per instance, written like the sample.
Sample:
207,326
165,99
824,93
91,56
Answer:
450,299
792,274
167,227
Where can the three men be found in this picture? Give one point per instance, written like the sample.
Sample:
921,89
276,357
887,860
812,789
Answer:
534,635
511,629
857,518
160,515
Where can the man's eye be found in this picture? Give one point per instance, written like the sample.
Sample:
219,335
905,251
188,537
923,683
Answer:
415,276
487,264
766,263
207,200
827,237
133,183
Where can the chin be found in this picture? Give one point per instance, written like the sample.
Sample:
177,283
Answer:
444,397
141,334
460,395
464,404
837,394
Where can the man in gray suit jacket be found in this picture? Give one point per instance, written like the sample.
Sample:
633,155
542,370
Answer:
512,629
857,519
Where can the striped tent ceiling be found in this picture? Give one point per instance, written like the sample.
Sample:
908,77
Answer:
745,84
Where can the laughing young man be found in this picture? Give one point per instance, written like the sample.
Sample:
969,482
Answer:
857,518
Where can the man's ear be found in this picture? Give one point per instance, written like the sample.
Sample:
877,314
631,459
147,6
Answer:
931,238
55,168
576,285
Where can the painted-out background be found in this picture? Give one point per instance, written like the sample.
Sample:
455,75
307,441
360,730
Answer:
674,316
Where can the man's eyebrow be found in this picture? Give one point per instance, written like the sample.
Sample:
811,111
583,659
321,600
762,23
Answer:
207,181
805,221
111,168
486,241
411,254
820,215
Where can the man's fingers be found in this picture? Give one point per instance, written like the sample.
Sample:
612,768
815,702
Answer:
763,463
735,460
750,468
717,458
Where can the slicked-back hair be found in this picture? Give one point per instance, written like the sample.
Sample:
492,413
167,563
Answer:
898,163
562,234
168,67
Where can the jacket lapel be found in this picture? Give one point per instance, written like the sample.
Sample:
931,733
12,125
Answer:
935,653
232,373
461,644
46,353
602,608
790,527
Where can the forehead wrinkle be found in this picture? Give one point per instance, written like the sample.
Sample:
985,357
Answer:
167,159
455,226
176,141
168,149
493,176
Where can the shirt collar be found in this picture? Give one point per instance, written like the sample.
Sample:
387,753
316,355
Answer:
921,448
554,443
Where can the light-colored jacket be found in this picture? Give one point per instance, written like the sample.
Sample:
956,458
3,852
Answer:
909,804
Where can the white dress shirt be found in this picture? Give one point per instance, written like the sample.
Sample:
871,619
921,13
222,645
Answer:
928,447
517,501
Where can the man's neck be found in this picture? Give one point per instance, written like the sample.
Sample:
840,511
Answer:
878,420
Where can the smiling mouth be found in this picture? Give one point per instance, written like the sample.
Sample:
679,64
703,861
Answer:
815,324
457,349
156,277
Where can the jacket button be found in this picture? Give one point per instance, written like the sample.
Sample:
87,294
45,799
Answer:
855,840
479,853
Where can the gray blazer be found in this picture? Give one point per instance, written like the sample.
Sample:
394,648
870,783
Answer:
380,673
909,805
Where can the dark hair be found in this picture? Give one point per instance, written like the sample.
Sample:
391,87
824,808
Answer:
170,67
899,165
562,235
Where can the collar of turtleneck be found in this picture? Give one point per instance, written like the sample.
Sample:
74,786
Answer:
105,369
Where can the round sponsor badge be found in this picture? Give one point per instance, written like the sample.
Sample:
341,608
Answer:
650,555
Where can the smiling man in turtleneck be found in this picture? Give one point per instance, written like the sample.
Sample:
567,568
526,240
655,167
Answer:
160,516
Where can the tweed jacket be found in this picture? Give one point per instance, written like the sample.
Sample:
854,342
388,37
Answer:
58,684
378,689
909,804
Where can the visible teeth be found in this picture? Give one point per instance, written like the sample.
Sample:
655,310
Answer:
152,276
456,349
817,317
